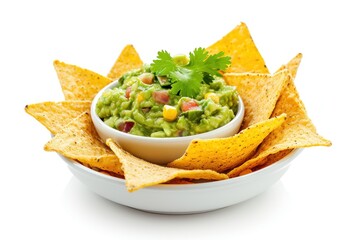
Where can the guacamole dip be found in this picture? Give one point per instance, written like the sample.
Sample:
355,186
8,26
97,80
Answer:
145,104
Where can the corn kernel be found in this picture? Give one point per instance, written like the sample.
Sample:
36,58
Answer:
212,96
169,113
140,97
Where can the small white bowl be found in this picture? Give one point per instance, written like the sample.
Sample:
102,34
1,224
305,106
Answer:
183,198
159,150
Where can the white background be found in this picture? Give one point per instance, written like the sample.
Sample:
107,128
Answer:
318,198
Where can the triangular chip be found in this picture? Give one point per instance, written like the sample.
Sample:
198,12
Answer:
128,59
239,45
79,141
292,65
56,115
297,131
259,93
247,171
78,83
139,173
273,158
222,154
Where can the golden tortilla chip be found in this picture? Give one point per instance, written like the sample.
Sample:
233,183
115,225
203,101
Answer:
273,158
247,171
56,115
239,45
222,154
259,93
79,141
297,131
79,83
128,59
179,181
139,173
292,65
112,174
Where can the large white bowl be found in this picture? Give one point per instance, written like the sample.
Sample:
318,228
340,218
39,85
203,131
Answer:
159,150
185,198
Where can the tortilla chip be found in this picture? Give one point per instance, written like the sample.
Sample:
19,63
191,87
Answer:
179,181
239,45
56,115
297,131
128,59
79,141
273,158
292,65
139,173
112,174
259,93
222,154
246,171
79,83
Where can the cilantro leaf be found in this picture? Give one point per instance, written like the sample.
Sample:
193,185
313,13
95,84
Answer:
197,59
187,82
207,78
201,61
216,63
164,65
186,79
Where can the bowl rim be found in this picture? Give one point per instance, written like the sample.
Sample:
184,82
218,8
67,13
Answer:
238,117
248,177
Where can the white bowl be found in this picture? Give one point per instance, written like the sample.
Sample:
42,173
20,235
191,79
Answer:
159,150
186,198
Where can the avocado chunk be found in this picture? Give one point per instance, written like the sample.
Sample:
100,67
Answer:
194,114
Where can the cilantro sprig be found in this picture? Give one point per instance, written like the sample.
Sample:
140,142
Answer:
187,79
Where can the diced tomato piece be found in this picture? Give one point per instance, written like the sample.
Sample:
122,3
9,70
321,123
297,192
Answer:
147,78
188,105
127,92
161,96
126,126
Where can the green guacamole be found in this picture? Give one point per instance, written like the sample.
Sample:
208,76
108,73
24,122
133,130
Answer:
142,104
